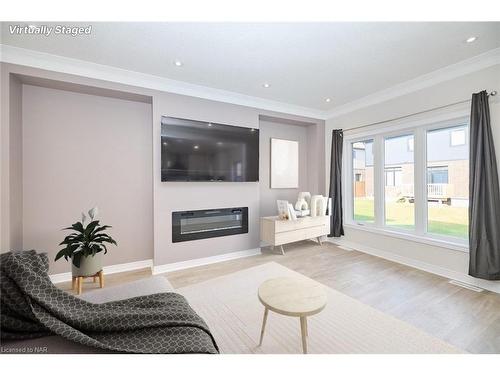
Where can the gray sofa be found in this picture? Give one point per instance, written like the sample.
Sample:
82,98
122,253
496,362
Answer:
58,345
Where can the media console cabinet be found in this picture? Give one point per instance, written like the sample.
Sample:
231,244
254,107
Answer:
277,232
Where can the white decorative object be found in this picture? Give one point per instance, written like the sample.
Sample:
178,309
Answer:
325,205
291,212
302,213
282,209
303,201
307,196
284,164
318,205
301,205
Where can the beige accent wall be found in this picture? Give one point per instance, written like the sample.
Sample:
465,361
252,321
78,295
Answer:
181,196
268,196
93,98
81,151
451,91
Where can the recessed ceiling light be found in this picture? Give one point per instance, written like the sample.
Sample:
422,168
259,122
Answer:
252,130
209,124
196,147
328,100
471,39
219,143
178,63
266,85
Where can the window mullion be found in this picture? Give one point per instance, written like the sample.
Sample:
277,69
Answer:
379,180
420,182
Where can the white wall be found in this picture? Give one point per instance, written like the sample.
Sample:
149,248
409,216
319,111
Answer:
451,91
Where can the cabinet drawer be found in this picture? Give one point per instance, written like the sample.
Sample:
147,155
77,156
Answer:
299,224
287,237
318,231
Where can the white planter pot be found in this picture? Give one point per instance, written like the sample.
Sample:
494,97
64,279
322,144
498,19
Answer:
89,265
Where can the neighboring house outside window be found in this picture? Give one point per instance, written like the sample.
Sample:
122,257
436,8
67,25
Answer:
437,175
445,163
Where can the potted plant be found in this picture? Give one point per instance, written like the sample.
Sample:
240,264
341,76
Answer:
86,245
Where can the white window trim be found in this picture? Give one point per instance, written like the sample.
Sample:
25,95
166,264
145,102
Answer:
419,129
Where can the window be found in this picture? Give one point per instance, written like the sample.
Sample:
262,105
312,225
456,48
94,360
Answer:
399,182
412,182
447,183
457,137
392,176
362,161
437,175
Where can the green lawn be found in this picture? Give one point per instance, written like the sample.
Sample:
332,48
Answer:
443,219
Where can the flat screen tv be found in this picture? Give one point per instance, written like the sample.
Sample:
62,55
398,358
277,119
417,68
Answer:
204,151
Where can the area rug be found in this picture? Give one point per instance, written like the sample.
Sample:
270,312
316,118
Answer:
230,306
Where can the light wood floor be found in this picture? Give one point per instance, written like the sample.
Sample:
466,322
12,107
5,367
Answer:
464,318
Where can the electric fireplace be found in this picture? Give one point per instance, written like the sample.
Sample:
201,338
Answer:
218,222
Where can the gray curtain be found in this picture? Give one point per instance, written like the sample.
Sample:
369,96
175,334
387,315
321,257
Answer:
484,194
336,227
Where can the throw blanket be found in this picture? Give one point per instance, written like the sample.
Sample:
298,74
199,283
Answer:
31,306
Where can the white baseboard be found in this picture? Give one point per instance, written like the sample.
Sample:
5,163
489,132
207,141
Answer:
115,268
203,261
492,286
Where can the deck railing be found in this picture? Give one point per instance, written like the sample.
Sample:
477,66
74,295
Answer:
433,190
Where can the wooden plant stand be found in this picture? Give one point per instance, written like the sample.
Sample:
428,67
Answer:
77,281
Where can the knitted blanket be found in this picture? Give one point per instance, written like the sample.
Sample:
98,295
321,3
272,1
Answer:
31,306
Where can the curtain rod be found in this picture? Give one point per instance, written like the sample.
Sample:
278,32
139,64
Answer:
493,93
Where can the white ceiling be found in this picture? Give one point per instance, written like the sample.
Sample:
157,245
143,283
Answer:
303,62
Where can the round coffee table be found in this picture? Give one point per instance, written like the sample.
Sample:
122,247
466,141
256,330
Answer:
292,297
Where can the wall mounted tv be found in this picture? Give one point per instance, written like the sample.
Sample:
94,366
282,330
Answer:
206,151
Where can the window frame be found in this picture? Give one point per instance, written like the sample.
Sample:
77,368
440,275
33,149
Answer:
395,134
419,129
349,162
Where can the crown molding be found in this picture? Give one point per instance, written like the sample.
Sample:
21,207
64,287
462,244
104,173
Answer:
473,64
41,60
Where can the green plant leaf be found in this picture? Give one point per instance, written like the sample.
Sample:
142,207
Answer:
60,254
104,227
90,228
76,258
84,241
78,226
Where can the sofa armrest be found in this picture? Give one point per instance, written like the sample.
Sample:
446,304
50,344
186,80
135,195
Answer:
143,287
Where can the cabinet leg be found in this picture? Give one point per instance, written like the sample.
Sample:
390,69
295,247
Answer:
319,240
282,250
